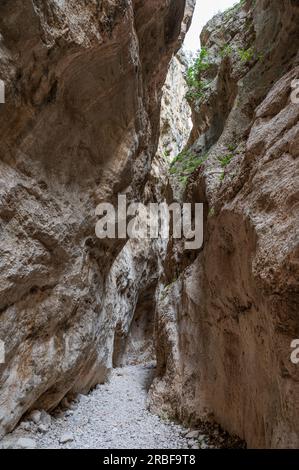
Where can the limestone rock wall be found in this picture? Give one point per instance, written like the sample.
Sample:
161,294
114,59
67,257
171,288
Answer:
134,278
175,121
226,315
80,124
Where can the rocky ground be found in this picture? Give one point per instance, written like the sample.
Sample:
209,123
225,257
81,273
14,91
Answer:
112,416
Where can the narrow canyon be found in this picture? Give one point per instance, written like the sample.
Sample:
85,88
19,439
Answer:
142,342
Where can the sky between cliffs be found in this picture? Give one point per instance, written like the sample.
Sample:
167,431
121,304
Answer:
204,11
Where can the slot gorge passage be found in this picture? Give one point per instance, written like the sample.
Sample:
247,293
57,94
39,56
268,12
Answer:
148,342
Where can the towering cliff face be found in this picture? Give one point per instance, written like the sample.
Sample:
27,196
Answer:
175,121
226,319
133,280
80,124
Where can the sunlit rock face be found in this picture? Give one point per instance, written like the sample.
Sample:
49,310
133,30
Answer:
80,124
175,121
226,319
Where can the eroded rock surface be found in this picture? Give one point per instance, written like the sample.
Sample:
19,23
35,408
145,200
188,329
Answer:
80,124
226,319
175,121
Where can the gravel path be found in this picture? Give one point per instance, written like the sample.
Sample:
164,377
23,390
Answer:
112,416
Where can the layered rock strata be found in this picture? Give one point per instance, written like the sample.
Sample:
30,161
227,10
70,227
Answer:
226,315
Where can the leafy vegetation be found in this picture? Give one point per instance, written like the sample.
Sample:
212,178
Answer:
246,55
166,154
232,147
211,212
196,85
167,288
226,51
183,180
225,159
185,164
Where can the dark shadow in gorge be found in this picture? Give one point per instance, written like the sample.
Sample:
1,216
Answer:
136,346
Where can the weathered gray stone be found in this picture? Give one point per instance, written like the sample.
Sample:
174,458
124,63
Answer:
25,443
192,434
35,416
66,437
